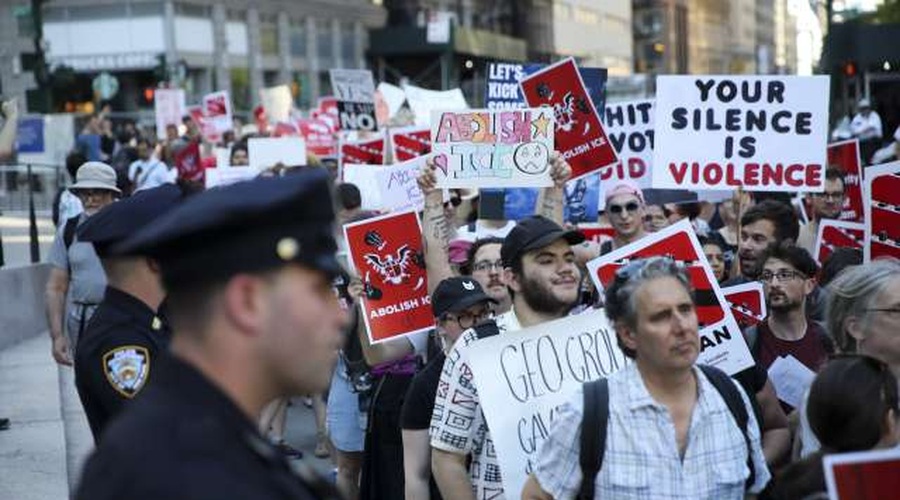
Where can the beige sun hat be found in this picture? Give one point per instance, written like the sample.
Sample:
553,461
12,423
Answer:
95,175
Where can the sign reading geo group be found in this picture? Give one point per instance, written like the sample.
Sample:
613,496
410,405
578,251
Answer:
765,133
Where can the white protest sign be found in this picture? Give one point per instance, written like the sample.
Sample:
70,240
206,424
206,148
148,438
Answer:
791,379
493,148
355,93
365,177
423,101
394,97
765,133
398,187
721,343
277,102
223,176
217,111
522,377
223,156
629,127
170,107
265,152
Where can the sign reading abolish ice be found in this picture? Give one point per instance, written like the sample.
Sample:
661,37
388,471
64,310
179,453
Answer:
488,148
355,92
522,379
721,342
765,133
387,255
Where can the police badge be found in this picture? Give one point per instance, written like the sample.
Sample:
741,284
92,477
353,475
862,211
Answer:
127,368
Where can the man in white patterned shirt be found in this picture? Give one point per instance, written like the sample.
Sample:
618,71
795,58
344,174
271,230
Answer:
670,433
544,279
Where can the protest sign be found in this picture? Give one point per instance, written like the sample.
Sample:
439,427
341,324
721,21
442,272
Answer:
398,187
596,232
355,93
523,377
580,136
862,475
265,152
747,302
203,124
386,253
409,142
484,148
765,133
49,142
318,135
393,96
217,111
169,107
224,176
838,234
629,126
30,135
366,151
223,157
721,342
581,200
423,101
882,208
365,178
845,154
277,103
503,91
188,163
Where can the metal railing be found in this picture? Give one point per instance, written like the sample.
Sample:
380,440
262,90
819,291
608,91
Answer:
30,188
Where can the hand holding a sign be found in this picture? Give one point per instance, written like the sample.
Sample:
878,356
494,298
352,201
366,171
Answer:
550,201
11,109
560,170
427,179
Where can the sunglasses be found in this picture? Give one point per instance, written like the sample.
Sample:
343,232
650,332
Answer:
618,209
454,202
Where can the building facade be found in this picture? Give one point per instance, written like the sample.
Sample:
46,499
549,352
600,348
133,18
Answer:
16,45
660,29
597,33
206,45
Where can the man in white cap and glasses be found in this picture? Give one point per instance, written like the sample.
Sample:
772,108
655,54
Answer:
77,280
866,126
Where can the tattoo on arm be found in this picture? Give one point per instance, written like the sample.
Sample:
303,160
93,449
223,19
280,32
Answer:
551,205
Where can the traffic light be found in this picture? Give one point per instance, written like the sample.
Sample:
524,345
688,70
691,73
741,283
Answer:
849,68
161,70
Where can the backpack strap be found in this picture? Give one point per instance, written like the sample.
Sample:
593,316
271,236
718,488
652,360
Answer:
69,231
594,421
751,335
735,403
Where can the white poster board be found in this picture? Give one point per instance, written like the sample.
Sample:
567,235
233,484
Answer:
629,127
365,177
170,107
277,102
765,133
224,176
522,377
423,101
217,111
397,185
265,152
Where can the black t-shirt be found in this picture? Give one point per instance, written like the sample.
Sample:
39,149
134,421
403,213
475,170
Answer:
419,403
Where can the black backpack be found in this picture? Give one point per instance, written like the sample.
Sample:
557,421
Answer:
596,416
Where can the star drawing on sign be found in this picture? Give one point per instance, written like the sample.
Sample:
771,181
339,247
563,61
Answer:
541,126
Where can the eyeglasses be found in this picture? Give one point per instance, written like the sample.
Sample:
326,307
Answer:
834,195
467,320
486,265
782,275
895,310
618,209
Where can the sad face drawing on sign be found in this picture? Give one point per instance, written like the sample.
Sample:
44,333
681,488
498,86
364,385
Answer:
532,158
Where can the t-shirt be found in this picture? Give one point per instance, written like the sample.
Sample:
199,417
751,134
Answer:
149,174
809,349
419,402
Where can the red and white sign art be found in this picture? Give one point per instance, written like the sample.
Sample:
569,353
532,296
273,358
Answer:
593,231
217,111
319,137
845,154
747,302
579,133
364,152
882,211
838,234
410,142
721,342
386,253
863,475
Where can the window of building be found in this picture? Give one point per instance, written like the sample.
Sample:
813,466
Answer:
24,21
150,9
324,83
562,11
268,36
324,42
586,16
240,88
187,10
55,14
97,12
348,45
297,36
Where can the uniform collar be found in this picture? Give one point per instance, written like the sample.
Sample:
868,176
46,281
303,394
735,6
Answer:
136,308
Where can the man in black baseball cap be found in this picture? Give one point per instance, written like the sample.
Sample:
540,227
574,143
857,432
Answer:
248,269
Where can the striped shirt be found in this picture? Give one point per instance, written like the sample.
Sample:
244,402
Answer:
642,460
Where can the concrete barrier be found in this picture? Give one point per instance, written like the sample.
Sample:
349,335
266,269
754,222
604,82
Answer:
22,303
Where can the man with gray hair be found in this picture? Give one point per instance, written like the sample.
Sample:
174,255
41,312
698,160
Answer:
714,451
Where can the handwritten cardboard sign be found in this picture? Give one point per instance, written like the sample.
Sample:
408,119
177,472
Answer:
523,377
838,234
484,148
410,142
765,133
398,187
845,154
580,136
265,152
169,106
629,126
882,207
386,253
721,342
747,302
355,92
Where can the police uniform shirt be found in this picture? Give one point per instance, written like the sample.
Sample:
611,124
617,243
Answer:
116,356
185,439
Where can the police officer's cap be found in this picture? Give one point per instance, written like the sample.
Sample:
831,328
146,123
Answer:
119,220
247,227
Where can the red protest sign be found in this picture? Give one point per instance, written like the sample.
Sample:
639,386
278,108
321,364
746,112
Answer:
845,154
580,136
319,137
882,211
838,234
387,255
596,233
365,152
721,342
864,475
747,302
283,129
187,162
410,142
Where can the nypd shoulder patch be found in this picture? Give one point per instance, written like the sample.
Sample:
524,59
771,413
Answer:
127,368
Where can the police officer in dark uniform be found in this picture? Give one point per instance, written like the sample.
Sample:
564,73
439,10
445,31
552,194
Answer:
117,351
248,269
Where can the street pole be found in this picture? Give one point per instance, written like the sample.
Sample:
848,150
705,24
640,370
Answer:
32,221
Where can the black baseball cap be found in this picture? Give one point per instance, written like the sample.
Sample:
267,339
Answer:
457,294
532,233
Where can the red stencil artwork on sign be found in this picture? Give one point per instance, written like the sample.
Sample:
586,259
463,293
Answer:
883,211
838,234
845,154
369,152
747,302
579,137
409,143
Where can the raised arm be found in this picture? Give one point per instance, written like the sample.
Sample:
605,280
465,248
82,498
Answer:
550,200
436,231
